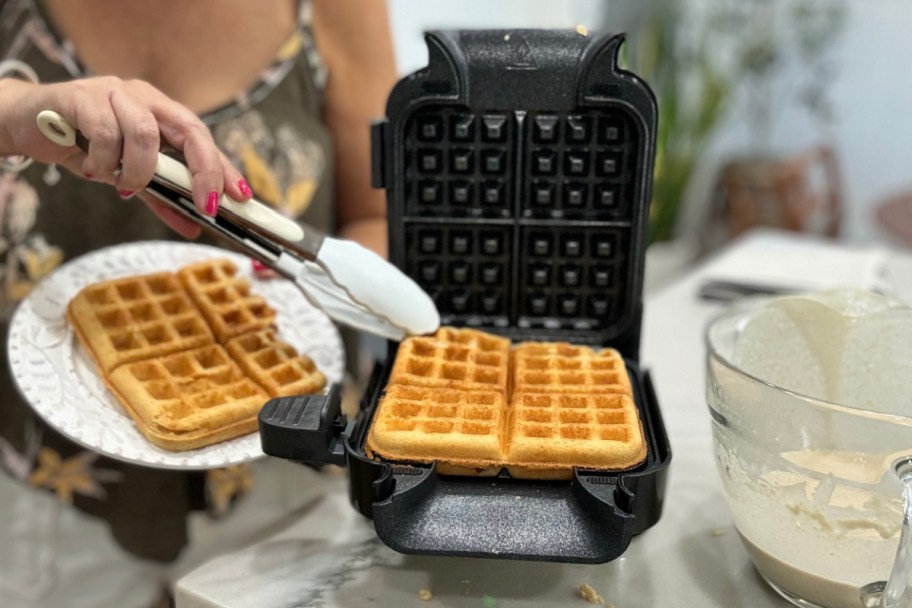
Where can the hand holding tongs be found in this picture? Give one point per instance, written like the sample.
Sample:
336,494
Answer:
349,283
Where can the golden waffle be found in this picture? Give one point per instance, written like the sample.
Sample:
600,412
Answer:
189,399
458,428
464,359
158,355
275,365
543,409
136,318
558,367
225,299
551,433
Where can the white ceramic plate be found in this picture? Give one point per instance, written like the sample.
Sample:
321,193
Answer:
60,381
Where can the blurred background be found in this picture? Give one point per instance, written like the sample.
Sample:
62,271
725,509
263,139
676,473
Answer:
789,114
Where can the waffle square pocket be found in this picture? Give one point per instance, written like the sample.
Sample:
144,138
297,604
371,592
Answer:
461,428
275,365
135,318
558,367
225,299
189,399
466,359
550,432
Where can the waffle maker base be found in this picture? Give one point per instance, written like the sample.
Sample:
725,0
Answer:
589,519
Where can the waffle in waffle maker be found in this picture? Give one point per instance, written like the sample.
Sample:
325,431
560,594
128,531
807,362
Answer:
518,168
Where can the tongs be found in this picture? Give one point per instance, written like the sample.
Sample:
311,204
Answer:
351,284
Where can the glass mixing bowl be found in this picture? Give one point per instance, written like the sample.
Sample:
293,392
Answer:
815,488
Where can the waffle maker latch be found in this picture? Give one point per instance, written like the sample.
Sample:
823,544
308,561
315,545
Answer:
305,428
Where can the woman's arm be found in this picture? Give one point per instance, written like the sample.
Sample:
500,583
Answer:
354,38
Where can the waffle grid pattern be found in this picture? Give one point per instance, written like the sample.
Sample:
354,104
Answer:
582,430
131,318
465,269
276,365
564,368
225,299
574,276
468,423
579,165
459,164
183,388
583,417
561,406
521,219
465,360
190,390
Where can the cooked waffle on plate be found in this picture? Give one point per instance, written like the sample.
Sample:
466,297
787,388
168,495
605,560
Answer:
275,365
136,318
189,399
558,407
225,299
189,377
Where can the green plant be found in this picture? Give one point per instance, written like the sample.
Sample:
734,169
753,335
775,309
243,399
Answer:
692,90
697,60
792,37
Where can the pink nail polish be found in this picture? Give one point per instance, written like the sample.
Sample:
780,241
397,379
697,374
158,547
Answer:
125,193
261,271
244,187
212,203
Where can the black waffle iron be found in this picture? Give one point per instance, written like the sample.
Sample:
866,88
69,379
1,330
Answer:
518,167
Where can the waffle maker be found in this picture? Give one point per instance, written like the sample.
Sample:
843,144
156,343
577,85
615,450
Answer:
518,169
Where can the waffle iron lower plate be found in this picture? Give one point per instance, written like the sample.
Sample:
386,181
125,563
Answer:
589,519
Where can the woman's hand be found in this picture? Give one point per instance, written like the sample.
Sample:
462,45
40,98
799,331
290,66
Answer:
126,123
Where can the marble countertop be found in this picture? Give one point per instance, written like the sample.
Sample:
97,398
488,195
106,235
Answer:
330,555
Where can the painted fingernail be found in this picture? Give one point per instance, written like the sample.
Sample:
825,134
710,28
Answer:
88,175
244,187
261,270
212,203
125,193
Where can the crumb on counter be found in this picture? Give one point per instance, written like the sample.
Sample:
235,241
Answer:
590,595
425,594
581,30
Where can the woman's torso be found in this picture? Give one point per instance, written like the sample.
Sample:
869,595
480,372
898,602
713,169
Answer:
252,70
199,53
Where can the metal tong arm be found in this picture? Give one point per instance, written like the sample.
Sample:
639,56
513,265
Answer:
174,175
